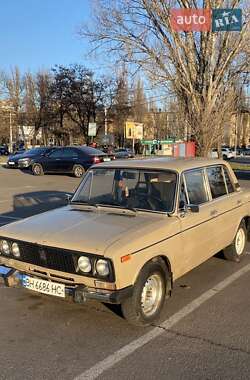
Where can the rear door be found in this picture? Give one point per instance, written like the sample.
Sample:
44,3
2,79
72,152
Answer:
226,204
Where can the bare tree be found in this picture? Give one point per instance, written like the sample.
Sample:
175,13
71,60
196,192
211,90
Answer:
121,105
139,102
200,68
14,89
78,95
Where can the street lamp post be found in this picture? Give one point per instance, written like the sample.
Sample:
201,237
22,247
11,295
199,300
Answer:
11,134
105,122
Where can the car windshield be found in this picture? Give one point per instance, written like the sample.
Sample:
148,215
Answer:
148,190
34,151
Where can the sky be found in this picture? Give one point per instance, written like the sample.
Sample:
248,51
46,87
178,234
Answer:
37,34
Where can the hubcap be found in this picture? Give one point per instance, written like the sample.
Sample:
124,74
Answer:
78,171
151,295
240,241
37,169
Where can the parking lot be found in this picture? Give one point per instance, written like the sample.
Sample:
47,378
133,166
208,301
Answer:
204,332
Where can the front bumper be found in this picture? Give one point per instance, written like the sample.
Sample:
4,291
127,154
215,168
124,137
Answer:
77,293
12,166
24,165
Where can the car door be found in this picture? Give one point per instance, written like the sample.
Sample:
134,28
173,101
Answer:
68,159
226,204
52,163
198,232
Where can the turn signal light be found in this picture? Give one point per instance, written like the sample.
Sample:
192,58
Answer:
125,258
96,160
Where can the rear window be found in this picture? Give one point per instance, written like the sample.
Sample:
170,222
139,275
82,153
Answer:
91,151
216,181
230,186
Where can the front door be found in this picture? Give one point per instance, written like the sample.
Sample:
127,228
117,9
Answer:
198,229
54,161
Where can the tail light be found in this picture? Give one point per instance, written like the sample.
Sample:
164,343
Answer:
96,160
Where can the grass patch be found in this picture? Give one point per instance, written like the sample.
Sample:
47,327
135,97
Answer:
239,166
3,159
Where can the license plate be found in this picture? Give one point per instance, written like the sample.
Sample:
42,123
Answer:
107,159
11,163
43,286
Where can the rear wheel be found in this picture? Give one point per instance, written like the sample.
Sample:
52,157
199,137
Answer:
146,303
237,249
37,169
78,171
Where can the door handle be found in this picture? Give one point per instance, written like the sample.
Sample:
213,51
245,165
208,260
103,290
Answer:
239,201
214,212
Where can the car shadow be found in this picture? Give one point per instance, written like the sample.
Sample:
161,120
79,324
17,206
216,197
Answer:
28,204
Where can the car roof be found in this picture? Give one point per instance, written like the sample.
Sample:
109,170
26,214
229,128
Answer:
84,148
170,163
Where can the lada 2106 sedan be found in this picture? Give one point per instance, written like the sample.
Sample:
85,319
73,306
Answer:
130,230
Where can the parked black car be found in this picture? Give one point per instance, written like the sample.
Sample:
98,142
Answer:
69,160
4,151
124,153
27,158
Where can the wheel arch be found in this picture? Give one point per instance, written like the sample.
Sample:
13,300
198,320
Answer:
166,263
246,219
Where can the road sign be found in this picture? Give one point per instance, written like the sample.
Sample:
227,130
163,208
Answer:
134,130
92,129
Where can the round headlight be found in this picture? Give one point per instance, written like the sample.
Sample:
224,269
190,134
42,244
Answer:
4,247
15,250
84,264
102,267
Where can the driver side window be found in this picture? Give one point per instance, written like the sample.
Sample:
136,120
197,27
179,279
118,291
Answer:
56,153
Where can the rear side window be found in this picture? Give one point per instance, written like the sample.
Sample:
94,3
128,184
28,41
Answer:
216,181
196,187
230,186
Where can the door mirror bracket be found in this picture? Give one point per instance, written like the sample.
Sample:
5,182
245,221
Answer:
184,208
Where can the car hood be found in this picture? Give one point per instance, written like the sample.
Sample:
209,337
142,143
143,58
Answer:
17,157
99,232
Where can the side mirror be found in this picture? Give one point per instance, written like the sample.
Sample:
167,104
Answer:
193,208
184,207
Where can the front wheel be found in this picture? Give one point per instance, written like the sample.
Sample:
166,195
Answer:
37,169
236,250
146,303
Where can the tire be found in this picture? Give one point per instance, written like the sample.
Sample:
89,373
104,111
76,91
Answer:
137,309
37,169
78,171
236,250
224,157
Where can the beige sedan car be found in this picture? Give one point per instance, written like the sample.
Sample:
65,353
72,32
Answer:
131,229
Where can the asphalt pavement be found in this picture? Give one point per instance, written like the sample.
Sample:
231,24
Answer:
204,332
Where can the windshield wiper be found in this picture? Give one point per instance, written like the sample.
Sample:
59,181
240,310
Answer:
103,205
78,203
